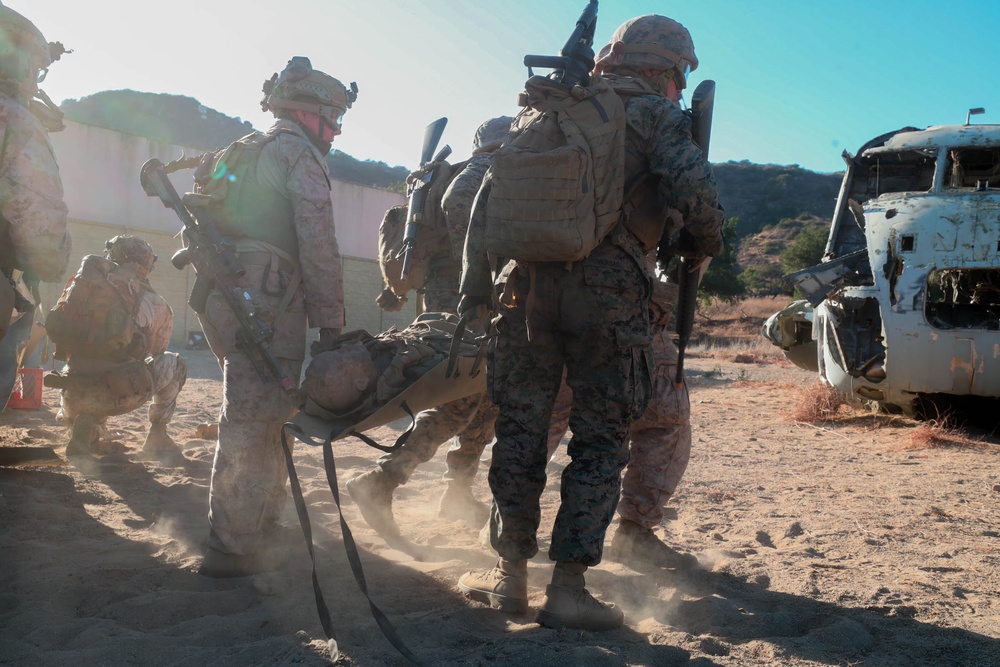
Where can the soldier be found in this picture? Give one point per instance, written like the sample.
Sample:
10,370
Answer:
471,418
659,448
590,317
33,236
96,387
284,233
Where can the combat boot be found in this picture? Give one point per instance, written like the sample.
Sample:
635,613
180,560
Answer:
637,545
458,503
505,587
159,444
568,604
81,443
372,491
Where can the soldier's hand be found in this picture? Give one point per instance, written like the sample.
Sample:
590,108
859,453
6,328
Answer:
328,339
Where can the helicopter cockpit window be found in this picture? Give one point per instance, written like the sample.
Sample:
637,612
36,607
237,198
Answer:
973,168
963,299
906,171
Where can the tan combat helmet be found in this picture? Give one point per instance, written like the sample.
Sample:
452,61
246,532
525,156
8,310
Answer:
650,42
23,49
125,248
340,379
492,131
299,87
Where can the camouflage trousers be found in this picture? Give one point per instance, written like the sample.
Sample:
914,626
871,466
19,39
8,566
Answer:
470,419
125,388
591,318
247,493
659,443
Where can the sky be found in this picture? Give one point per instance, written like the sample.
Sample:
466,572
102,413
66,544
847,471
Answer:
797,82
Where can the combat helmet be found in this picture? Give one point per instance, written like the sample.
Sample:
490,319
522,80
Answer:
23,49
299,87
492,131
126,248
650,42
339,380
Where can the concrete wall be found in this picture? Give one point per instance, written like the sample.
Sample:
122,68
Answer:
100,173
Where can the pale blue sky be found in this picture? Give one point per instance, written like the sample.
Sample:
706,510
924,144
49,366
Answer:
797,82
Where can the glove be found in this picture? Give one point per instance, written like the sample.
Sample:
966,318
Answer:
474,309
328,339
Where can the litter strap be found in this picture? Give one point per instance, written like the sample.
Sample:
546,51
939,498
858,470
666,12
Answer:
329,464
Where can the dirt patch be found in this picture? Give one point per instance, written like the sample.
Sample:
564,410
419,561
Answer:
821,543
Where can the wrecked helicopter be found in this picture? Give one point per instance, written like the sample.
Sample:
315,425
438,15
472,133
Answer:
904,309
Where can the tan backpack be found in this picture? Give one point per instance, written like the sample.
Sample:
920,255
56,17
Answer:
559,178
432,238
95,314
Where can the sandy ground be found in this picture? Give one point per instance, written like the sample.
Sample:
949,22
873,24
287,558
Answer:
842,543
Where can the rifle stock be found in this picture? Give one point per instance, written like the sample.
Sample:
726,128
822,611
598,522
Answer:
217,267
418,193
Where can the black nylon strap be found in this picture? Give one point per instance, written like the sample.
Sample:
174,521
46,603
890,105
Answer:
329,464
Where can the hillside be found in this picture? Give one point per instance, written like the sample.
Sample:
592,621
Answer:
764,198
182,120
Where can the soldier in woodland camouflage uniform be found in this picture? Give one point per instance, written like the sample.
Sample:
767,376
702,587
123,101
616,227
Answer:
285,239
33,236
591,318
470,418
94,389
659,447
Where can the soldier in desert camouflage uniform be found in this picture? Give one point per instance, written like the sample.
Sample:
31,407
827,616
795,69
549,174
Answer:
285,239
471,418
33,236
591,318
94,389
659,447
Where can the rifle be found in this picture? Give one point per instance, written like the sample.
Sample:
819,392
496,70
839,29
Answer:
418,192
216,267
576,59
702,106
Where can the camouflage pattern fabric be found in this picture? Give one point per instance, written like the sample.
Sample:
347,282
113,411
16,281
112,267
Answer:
469,419
104,396
569,327
31,197
249,475
659,442
589,317
118,389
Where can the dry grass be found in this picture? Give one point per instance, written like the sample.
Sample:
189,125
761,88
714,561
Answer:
819,404
937,434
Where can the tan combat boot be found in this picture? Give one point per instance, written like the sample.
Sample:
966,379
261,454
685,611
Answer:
568,604
81,442
372,491
505,587
159,444
459,504
637,545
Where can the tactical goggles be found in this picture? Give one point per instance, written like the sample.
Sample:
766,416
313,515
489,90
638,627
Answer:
42,73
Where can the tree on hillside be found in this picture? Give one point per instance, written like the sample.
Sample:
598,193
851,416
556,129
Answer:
806,249
721,280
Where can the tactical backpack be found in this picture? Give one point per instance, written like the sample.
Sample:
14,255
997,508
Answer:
432,238
95,314
559,178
